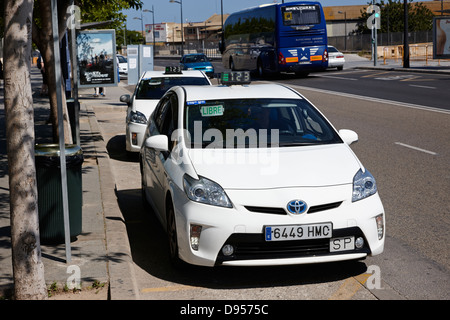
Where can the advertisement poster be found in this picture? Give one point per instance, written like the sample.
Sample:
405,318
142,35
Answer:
441,41
97,58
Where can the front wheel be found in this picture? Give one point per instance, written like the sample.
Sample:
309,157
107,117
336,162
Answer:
172,235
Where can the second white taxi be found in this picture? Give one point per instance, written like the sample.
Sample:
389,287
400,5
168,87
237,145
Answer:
251,175
150,88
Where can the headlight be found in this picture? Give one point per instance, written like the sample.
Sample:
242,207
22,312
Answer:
138,117
205,191
364,185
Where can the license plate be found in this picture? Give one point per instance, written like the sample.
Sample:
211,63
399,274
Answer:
299,232
342,244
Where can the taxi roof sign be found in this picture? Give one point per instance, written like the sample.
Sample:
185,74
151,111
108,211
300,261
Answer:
173,70
235,78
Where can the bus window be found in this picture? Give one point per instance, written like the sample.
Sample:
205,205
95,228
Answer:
301,14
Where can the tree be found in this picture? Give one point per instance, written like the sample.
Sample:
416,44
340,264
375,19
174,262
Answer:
420,18
28,269
20,27
91,10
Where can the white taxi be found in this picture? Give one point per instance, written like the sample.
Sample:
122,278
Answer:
150,88
252,175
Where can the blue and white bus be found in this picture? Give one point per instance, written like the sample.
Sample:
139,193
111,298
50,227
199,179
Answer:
272,38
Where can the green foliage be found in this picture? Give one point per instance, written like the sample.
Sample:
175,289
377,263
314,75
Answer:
420,18
95,11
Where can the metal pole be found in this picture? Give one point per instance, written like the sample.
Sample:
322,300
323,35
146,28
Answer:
405,35
62,147
154,41
74,64
182,29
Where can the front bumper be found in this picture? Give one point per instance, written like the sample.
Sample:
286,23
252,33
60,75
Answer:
244,230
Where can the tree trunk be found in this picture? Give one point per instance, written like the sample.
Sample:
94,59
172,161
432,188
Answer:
28,268
43,38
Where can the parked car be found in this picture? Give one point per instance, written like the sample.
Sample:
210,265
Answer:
150,88
254,175
197,61
335,58
123,66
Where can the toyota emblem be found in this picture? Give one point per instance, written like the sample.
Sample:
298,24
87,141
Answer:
297,206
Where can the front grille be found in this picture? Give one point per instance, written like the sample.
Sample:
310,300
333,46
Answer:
282,211
251,246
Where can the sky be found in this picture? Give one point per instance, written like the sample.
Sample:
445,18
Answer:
200,10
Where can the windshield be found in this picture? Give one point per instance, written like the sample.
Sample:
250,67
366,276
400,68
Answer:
195,58
256,123
154,88
301,15
122,59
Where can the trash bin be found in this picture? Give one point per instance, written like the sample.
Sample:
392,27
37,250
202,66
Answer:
49,187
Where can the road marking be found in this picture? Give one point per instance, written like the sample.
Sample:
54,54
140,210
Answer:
350,287
355,96
167,289
334,77
425,87
372,75
416,148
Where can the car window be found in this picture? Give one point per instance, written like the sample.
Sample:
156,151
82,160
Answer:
154,88
332,49
195,58
166,117
256,123
160,113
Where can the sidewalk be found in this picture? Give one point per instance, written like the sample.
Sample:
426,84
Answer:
101,253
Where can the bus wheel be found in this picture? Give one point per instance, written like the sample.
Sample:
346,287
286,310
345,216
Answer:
260,69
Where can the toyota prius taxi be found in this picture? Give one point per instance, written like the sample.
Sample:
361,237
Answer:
244,174
150,88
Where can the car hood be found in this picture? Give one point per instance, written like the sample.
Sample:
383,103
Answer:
307,166
145,106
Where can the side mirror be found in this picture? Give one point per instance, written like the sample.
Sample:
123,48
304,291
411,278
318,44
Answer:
349,136
159,142
125,98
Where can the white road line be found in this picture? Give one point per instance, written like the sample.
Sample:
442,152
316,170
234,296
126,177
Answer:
355,96
334,77
425,87
416,148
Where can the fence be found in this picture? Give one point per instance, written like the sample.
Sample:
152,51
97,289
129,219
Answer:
363,42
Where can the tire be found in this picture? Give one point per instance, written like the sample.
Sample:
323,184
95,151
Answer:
260,70
172,237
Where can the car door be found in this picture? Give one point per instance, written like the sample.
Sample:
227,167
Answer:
164,123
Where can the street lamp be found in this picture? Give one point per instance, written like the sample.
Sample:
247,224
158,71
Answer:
142,25
153,26
345,23
182,29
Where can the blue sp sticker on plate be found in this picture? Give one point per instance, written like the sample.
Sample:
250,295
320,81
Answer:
195,103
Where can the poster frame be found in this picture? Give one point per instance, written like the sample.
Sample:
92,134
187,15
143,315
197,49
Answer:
441,37
107,39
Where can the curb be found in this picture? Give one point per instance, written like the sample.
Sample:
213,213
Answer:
122,282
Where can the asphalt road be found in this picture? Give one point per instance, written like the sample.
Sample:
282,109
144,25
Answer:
403,141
